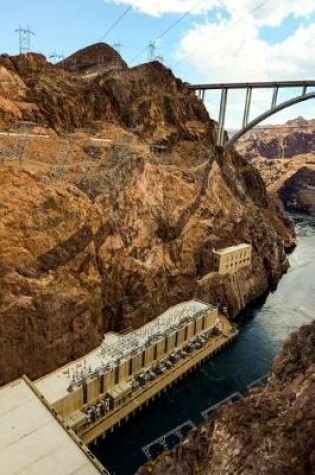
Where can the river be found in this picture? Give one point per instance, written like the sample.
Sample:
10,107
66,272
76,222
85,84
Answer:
263,328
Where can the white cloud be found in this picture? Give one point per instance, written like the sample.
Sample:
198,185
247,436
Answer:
269,12
161,7
228,50
237,53
227,45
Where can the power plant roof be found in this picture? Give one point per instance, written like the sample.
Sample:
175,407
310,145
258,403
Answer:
32,440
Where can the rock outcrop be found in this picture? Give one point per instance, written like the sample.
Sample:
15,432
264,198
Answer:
106,227
285,157
97,57
294,137
298,191
271,430
292,180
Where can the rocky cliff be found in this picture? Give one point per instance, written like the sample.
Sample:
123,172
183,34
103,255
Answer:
270,430
294,137
292,180
112,197
285,157
298,191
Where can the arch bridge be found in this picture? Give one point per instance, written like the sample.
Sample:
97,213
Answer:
247,124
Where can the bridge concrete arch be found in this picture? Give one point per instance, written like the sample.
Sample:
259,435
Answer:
267,114
201,89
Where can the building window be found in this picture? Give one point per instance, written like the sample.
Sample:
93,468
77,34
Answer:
176,339
130,367
84,388
143,359
116,374
155,352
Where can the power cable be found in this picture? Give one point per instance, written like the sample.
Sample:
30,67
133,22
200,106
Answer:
115,23
235,22
182,17
76,14
168,29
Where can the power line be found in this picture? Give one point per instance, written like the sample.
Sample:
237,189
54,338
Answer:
77,12
235,22
168,29
115,23
182,17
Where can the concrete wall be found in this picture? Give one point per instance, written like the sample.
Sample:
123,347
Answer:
181,337
123,370
93,390
191,330
72,402
108,380
199,325
148,356
171,342
160,349
136,363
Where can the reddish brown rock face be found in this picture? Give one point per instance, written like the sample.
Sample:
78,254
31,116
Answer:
268,431
285,157
298,191
295,137
97,236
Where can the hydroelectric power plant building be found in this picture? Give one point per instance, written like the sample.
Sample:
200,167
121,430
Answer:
90,396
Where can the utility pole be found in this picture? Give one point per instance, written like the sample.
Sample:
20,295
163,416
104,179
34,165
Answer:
24,39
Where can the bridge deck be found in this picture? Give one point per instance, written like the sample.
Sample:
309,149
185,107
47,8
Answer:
259,85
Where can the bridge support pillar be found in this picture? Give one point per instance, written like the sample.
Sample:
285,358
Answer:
274,97
247,106
222,113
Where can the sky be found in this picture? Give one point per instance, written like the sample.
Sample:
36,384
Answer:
200,40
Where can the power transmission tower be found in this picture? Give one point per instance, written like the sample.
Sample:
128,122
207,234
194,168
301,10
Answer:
56,57
117,46
24,39
152,51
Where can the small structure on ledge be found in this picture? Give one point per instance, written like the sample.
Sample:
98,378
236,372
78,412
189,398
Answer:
230,259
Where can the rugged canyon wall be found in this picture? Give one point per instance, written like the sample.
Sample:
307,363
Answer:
295,137
270,430
285,157
298,191
111,216
292,180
